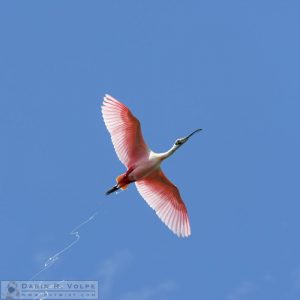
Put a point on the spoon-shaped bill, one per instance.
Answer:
(193, 133)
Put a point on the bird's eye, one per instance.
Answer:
(178, 142)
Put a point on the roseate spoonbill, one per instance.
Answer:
(143, 166)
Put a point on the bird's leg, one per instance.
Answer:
(113, 189)
(122, 182)
(129, 171)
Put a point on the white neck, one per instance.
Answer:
(169, 152)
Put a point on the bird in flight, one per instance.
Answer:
(143, 166)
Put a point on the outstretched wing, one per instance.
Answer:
(164, 197)
(125, 131)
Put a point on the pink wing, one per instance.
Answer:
(125, 131)
(164, 197)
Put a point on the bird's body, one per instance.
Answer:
(143, 166)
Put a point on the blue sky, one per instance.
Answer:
(229, 67)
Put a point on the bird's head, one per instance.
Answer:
(179, 142)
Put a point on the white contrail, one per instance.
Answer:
(74, 232)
